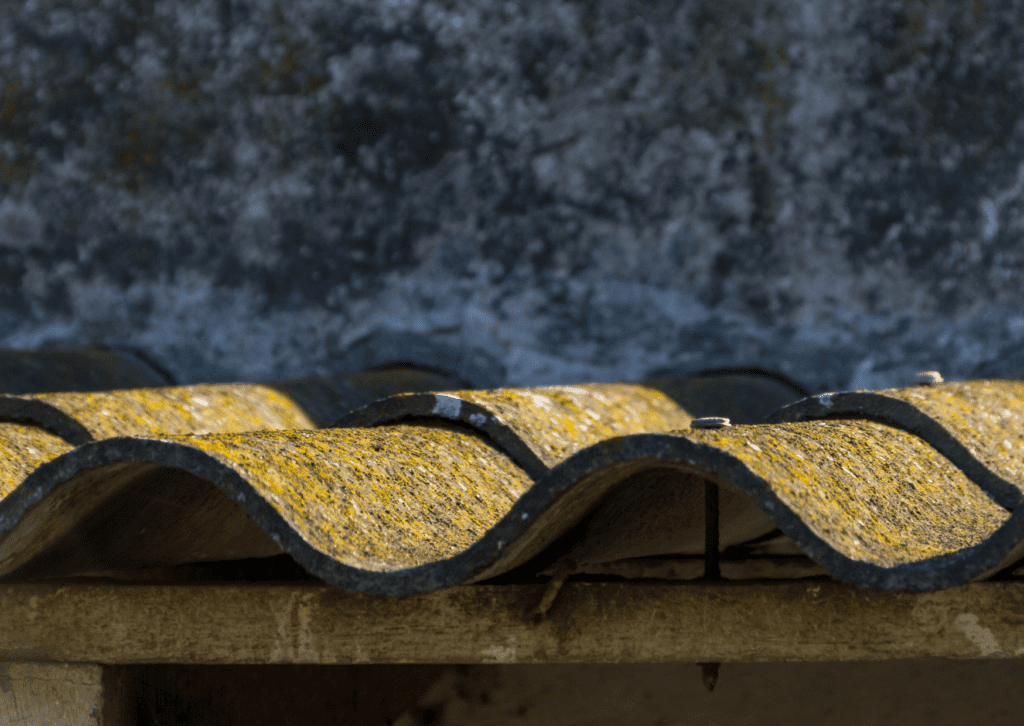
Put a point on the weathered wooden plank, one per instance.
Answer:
(588, 622)
(70, 694)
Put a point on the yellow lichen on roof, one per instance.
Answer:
(872, 492)
(22, 449)
(558, 421)
(200, 408)
(987, 417)
(380, 499)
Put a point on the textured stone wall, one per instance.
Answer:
(581, 190)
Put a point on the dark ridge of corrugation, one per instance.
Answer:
(87, 369)
(405, 508)
(795, 388)
(140, 356)
(978, 425)
(383, 349)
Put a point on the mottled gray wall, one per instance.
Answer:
(585, 190)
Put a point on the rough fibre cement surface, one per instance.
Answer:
(584, 190)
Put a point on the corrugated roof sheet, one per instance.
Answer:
(391, 481)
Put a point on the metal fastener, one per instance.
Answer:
(709, 422)
(709, 675)
(927, 378)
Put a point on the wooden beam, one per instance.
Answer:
(71, 694)
(588, 622)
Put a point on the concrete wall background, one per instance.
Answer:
(583, 190)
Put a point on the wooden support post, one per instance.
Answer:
(70, 694)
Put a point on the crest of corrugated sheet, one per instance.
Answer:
(397, 481)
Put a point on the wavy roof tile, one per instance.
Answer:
(391, 482)
(976, 424)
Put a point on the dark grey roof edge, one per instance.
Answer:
(730, 370)
(908, 417)
(39, 413)
(569, 477)
(142, 358)
(471, 367)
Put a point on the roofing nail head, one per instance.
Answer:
(710, 422)
(927, 378)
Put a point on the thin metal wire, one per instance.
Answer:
(712, 570)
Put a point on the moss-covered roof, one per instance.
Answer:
(388, 481)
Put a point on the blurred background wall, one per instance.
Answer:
(582, 190)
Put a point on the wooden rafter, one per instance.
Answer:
(112, 623)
